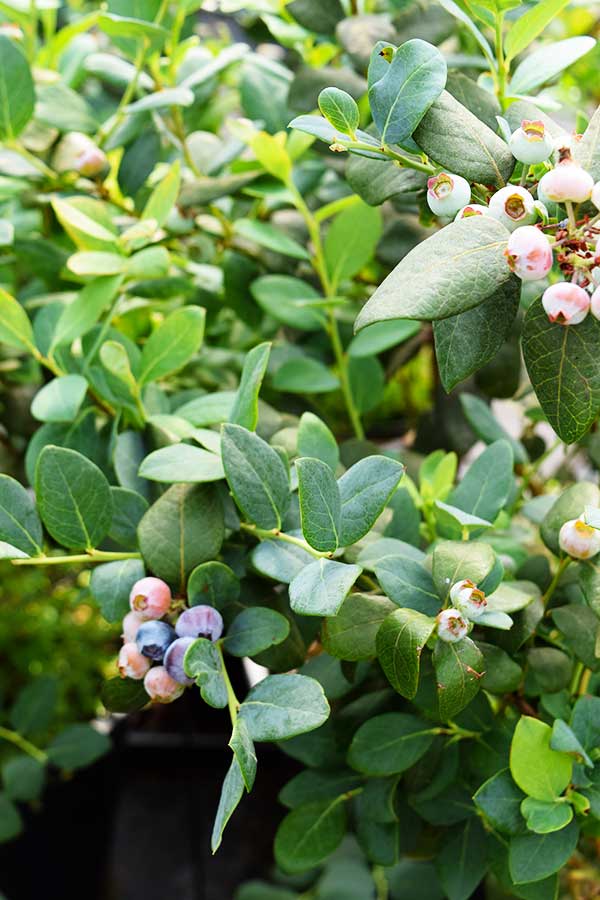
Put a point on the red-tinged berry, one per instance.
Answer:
(567, 181)
(529, 253)
(513, 206)
(160, 687)
(451, 626)
(131, 663)
(150, 597)
(131, 626)
(566, 303)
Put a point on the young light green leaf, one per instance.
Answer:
(340, 109)
(351, 241)
(173, 343)
(321, 588)
(17, 94)
(544, 64)
(545, 816)
(400, 641)
(164, 196)
(540, 771)
(365, 490)
(320, 504)
(528, 26)
(245, 407)
(15, 327)
(256, 476)
(82, 314)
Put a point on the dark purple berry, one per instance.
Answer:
(153, 638)
(200, 621)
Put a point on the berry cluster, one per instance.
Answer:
(148, 638)
(469, 605)
(534, 241)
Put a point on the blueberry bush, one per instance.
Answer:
(266, 275)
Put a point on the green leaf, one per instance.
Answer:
(499, 799)
(415, 78)
(115, 359)
(245, 407)
(20, 525)
(288, 300)
(316, 784)
(123, 695)
(351, 241)
(408, 583)
(564, 369)
(282, 706)
(309, 834)
(255, 629)
(528, 26)
(231, 794)
(171, 541)
(389, 744)
(270, 237)
(256, 476)
(77, 746)
(17, 95)
(111, 585)
(565, 740)
(544, 816)
(182, 463)
(455, 560)
(550, 60)
(453, 522)
(173, 344)
(304, 375)
(579, 625)
(162, 99)
(321, 588)
(533, 857)
(462, 862)
(454, 270)
(458, 669)
(462, 144)
(11, 823)
(213, 583)
(164, 196)
(314, 16)
(23, 778)
(280, 561)
(202, 661)
(35, 706)
(381, 336)
(541, 772)
(96, 263)
(502, 675)
(340, 109)
(15, 327)
(320, 504)
(60, 399)
(243, 749)
(351, 634)
(463, 17)
(128, 509)
(585, 721)
(400, 641)
(316, 440)
(365, 490)
(82, 314)
(482, 421)
(487, 483)
(466, 342)
(73, 497)
(569, 505)
(86, 222)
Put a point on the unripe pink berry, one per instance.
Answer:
(566, 303)
(131, 625)
(578, 539)
(160, 687)
(567, 181)
(451, 626)
(468, 599)
(472, 209)
(531, 143)
(596, 195)
(131, 663)
(513, 205)
(595, 304)
(150, 597)
(447, 193)
(529, 253)
(76, 152)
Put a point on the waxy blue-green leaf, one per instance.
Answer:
(20, 524)
(287, 300)
(110, 586)
(389, 744)
(245, 407)
(202, 662)
(213, 583)
(256, 476)
(182, 463)
(82, 314)
(60, 399)
(415, 78)
(243, 749)
(533, 857)
(128, 509)
(400, 641)
(450, 272)
(499, 799)
(455, 560)
(458, 670)
(351, 241)
(408, 583)
(365, 490)
(266, 235)
(321, 588)
(77, 746)
(74, 499)
(352, 633)
(564, 368)
(316, 440)
(173, 343)
(305, 375)
(381, 336)
(320, 504)
(481, 419)
(255, 629)
(279, 560)
(282, 706)
(544, 64)
(565, 740)
(309, 834)
(487, 482)
(231, 794)
(17, 95)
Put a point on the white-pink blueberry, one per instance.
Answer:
(131, 663)
(529, 253)
(567, 181)
(161, 687)
(514, 206)
(596, 195)
(451, 626)
(447, 193)
(468, 599)
(531, 143)
(566, 303)
(131, 626)
(595, 303)
(150, 597)
(578, 539)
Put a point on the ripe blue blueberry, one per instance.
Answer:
(200, 621)
(153, 639)
(173, 661)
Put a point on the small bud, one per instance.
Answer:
(160, 687)
(472, 209)
(200, 621)
(131, 663)
(76, 152)
(566, 303)
(131, 626)
(578, 539)
(12, 30)
(596, 195)
(150, 597)
(447, 193)
(529, 253)
(513, 206)
(530, 143)
(154, 638)
(173, 661)
(451, 627)
(567, 181)
(468, 599)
